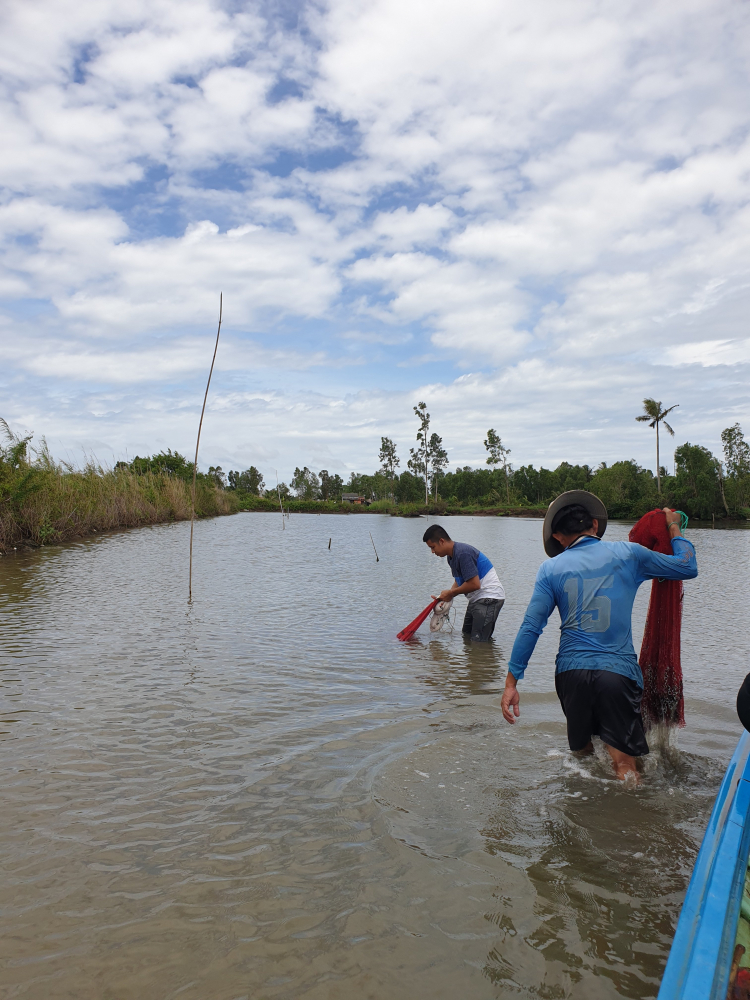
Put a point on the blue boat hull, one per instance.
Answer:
(701, 956)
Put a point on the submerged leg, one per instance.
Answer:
(484, 615)
(624, 764)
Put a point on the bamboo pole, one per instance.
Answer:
(197, 445)
(281, 505)
(377, 558)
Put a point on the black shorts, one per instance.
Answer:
(605, 704)
(480, 618)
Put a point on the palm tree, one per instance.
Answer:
(654, 415)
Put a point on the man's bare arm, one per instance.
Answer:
(466, 588)
(673, 522)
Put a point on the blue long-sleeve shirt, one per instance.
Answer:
(593, 583)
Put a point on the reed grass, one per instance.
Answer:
(43, 501)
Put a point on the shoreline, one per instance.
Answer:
(440, 508)
(26, 545)
(30, 544)
(65, 507)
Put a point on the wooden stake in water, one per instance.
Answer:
(373, 545)
(197, 445)
(329, 543)
(281, 505)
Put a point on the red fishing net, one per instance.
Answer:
(739, 989)
(660, 652)
(411, 628)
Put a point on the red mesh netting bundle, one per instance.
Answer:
(660, 652)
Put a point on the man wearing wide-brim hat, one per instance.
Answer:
(593, 584)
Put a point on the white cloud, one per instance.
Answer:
(403, 230)
(516, 190)
(154, 361)
(84, 263)
(545, 410)
(711, 352)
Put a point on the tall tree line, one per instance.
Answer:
(701, 484)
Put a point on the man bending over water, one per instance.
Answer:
(593, 585)
(475, 576)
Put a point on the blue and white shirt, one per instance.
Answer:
(593, 585)
(468, 562)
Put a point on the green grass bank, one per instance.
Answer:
(42, 506)
(43, 501)
(439, 508)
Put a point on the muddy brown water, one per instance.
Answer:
(265, 795)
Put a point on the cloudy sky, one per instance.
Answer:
(530, 215)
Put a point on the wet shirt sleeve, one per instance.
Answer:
(541, 606)
(681, 565)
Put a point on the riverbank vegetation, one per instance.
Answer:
(704, 486)
(43, 501)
